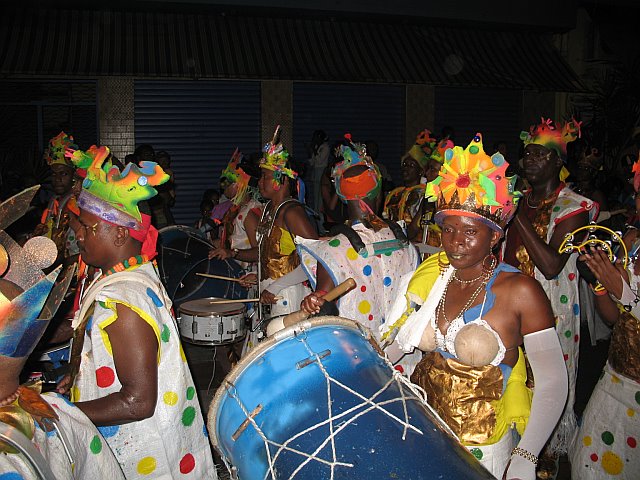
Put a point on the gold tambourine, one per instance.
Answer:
(568, 245)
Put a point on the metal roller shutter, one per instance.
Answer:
(494, 113)
(368, 112)
(199, 123)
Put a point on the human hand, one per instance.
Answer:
(519, 468)
(609, 275)
(248, 280)
(267, 297)
(312, 303)
(64, 385)
(41, 229)
(220, 253)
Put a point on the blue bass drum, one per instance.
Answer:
(317, 401)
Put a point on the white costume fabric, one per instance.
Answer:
(89, 451)
(377, 277)
(173, 443)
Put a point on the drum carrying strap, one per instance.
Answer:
(87, 307)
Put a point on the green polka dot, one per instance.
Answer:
(188, 416)
(473, 149)
(102, 304)
(638, 397)
(388, 254)
(563, 299)
(607, 438)
(476, 452)
(165, 334)
(190, 393)
(96, 445)
(334, 243)
(567, 334)
(556, 209)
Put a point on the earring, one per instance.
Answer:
(493, 263)
(442, 265)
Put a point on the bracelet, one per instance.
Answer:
(320, 293)
(525, 454)
(598, 292)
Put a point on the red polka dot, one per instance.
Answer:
(594, 457)
(399, 368)
(239, 217)
(187, 464)
(566, 357)
(363, 288)
(370, 317)
(572, 276)
(631, 442)
(105, 377)
(576, 338)
(55, 405)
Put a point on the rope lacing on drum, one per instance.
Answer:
(372, 405)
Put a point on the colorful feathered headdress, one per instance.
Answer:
(547, 135)
(636, 174)
(55, 152)
(424, 148)
(365, 185)
(473, 184)
(275, 158)
(235, 174)
(443, 145)
(113, 195)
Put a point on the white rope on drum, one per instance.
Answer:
(333, 432)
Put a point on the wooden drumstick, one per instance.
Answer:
(346, 286)
(239, 300)
(219, 277)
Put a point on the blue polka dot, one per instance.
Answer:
(576, 309)
(49, 434)
(89, 323)
(367, 270)
(284, 302)
(11, 476)
(62, 397)
(109, 431)
(386, 281)
(204, 430)
(154, 298)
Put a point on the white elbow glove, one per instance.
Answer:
(292, 278)
(549, 397)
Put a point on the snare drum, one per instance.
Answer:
(205, 323)
(316, 400)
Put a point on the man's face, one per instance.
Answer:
(411, 171)
(432, 170)
(61, 178)
(267, 184)
(95, 237)
(540, 163)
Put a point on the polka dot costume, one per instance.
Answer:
(563, 295)
(377, 276)
(170, 444)
(606, 446)
(93, 458)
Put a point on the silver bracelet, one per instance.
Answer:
(525, 454)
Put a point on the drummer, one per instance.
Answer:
(283, 284)
(475, 313)
(330, 261)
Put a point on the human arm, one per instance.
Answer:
(297, 223)
(329, 195)
(294, 277)
(545, 255)
(314, 301)
(135, 355)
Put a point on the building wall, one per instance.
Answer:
(419, 112)
(116, 114)
(277, 109)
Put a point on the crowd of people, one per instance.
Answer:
(488, 322)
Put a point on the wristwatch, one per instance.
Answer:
(235, 252)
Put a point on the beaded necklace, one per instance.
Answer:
(126, 264)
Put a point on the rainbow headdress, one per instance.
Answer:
(55, 152)
(443, 145)
(424, 148)
(547, 135)
(275, 158)
(365, 185)
(473, 184)
(25, 314)
(113, 195)
(235, 174)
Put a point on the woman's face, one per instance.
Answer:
(467, 241)
(267, 184)
(410, 170)
(231, 190)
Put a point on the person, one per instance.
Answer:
(605, 446)
(283, 218)
(128, 371)
(331, 261)
(550, 210)
(474, 314)
(403, 203)
(55, 221)
(166, 198)
(46, 421)
(320, 157)
(333, 209)
(205, 225)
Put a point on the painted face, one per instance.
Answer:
(231, 190)
(267, 185)
(539, 163)
(411, 171)
(94, 236)
(61, 178)
(466, 240)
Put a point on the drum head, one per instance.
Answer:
(203, 307)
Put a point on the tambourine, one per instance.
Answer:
(567, 245)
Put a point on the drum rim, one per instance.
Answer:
(258, 351)
(241, 309)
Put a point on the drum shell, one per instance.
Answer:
(217, 324)
(291, 399)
